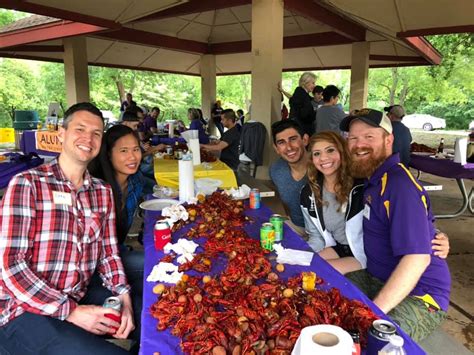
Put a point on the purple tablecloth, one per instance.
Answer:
(11, 168)
(28, 144)
(442, 167)
(168, 141)
(165, 343)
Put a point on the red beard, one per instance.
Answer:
(365, 168)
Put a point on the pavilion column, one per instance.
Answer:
(208, 87)
(359, 75)
(76, 70)
(267, 64)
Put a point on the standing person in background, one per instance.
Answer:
(216, 113)
(301, 108)
(57, 227)
(329, 115)
(401, 133)
(229, 143)
(240, 117)
(317, 97)
(128, 103)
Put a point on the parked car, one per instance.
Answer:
(423, 121)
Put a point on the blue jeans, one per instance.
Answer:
(33, 334)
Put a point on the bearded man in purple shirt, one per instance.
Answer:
(402, 277)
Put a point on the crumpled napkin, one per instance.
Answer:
(165, 272)
(184, 248)
(240, 193)
(174, 214)
(292, 256)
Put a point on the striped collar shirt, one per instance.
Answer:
(52, 238)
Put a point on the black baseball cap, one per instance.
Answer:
(372, 117)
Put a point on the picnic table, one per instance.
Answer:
(164, 342)
(167, 173)
(447, 168)
(14, 165)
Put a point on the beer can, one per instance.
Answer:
(162, 234)
(254, 199)
(355, 335)
(113, 303)
(379, 335)
(277, 222)
(267, 236)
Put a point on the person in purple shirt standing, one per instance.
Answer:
(402, 277)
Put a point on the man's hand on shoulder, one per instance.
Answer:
(440, 245)
(92, 318)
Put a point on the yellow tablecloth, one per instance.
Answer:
(166, 173)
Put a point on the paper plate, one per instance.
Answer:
(157, 205)
(423, 154)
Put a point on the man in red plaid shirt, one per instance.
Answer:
(57, 228)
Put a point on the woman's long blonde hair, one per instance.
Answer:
(344, 181)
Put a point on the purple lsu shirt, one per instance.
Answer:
(398, 221)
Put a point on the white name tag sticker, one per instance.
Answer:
(367, 211)
(62, 198)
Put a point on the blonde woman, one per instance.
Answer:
(301, 108)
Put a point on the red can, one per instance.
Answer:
(162, 234)
(113, 303)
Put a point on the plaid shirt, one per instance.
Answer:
(52, 238)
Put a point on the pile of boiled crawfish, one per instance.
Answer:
(247, 308)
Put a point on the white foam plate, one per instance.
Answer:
(157, 205)
(423, 154)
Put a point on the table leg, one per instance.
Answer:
(471, 198)
(465, 203)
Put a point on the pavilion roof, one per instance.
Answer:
(172, 35)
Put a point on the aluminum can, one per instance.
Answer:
(162, 234)
(254, 199)
(113, 303)
(356, 350)
(277, 222)
(178, 154)
(379, 335)
(169, 150)
(267, 236)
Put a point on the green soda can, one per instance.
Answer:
(267, 236)
(277, 222)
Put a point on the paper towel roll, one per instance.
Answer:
(323, 339)
(194, 147)
(460, 150)
(186, 180)
(171, 129)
